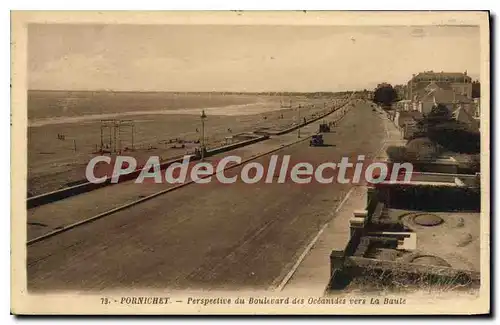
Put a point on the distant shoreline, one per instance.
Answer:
(229, 110)
(57, 107)
(268, 93)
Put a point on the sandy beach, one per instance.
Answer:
(55, 163)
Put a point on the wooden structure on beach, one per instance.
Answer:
(115, 133)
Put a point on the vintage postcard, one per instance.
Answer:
(239, 162)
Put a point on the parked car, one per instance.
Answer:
(316, 140)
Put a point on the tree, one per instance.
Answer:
(440, 127)
(385, 94)
(439, 113)
(456, 137)
(400, 91)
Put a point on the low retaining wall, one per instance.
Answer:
(448, 167)
(338, 277)
(236, 145)
(429, 197)
(293, 128)
(87, 186)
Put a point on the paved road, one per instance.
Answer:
(206, 236)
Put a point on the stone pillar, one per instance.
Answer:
(358, 220)
(336, 260)
(370, 194)
(336, 267)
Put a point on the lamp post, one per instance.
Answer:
(203, 117)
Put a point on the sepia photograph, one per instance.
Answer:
(235, 162)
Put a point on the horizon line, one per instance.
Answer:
(200, 91)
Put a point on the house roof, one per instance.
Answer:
(432, 74)
(408, 116)
(425, 90)
(444, 96)
(420, 93)
(439, 84)
(450, 96)
(442, 92)
(461, 115)
(463, 99)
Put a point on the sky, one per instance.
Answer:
(242, 58)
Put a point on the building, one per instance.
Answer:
(477, 108)
(404, 105)
(461, 83)
(406, 122)
(464, 117)
(425, 98)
